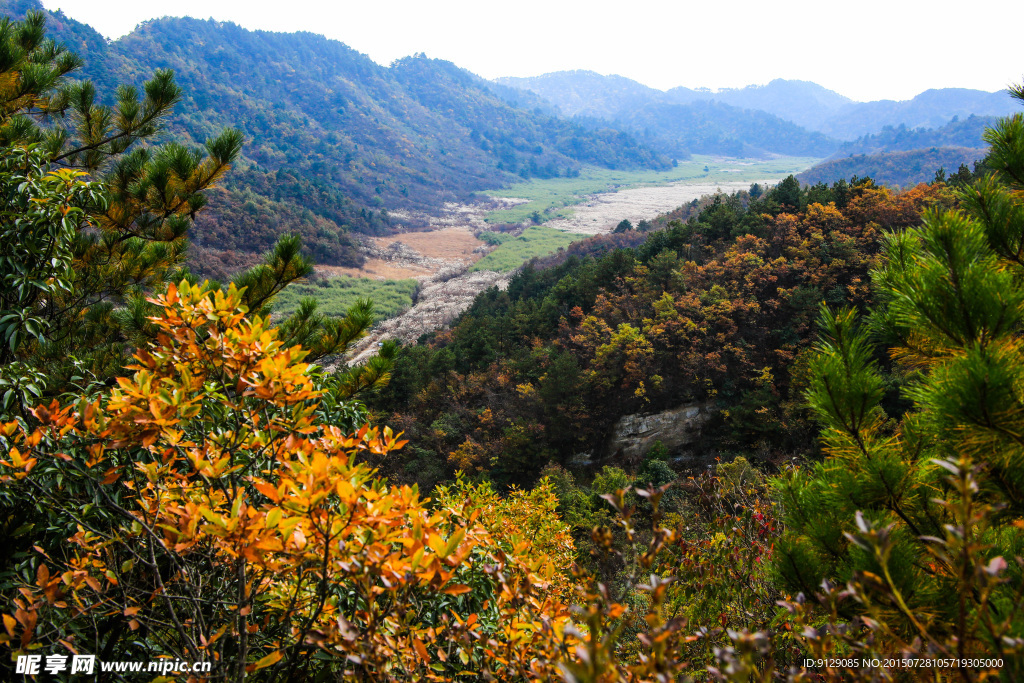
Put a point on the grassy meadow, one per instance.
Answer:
(548, 199)
(335, 295)
(536, 240)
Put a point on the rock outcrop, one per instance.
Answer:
(634, 434)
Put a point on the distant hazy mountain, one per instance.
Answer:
(682, 121)
(334, 141)
(717, 128)
(930, 109)
(816, 108)
(588, 94)
(802, 102)
(806, 104)
(520, 98)
(901, 156)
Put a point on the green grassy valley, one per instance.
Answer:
(535, 241)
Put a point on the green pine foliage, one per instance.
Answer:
(920, 513)
(95, 220)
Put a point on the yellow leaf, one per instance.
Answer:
(211, 516)
(417, 557)
(237, 505)
(454, 541)
(436, 544)
(269, 660)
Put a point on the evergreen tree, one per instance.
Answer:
(921, 516)
(787, 192)
(130, 234)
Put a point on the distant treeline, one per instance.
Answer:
(896, 169)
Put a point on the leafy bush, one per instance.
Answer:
(207, 474)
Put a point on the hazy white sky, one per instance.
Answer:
(864, 49)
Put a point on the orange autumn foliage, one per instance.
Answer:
(238, 528)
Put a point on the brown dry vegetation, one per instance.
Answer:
(378, 269)
(456, 242)
(414, 254)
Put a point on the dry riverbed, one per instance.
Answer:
(602, 212)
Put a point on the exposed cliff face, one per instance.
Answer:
(634, 434)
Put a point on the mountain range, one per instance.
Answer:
(808, 105)
(337, 144)
(897, 143)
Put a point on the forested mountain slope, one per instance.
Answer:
(719, 310)
(896, 169)
(334, 141)
(903, 157)
(967, 132)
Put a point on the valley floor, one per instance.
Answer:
(602, 212)
(439, 258)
